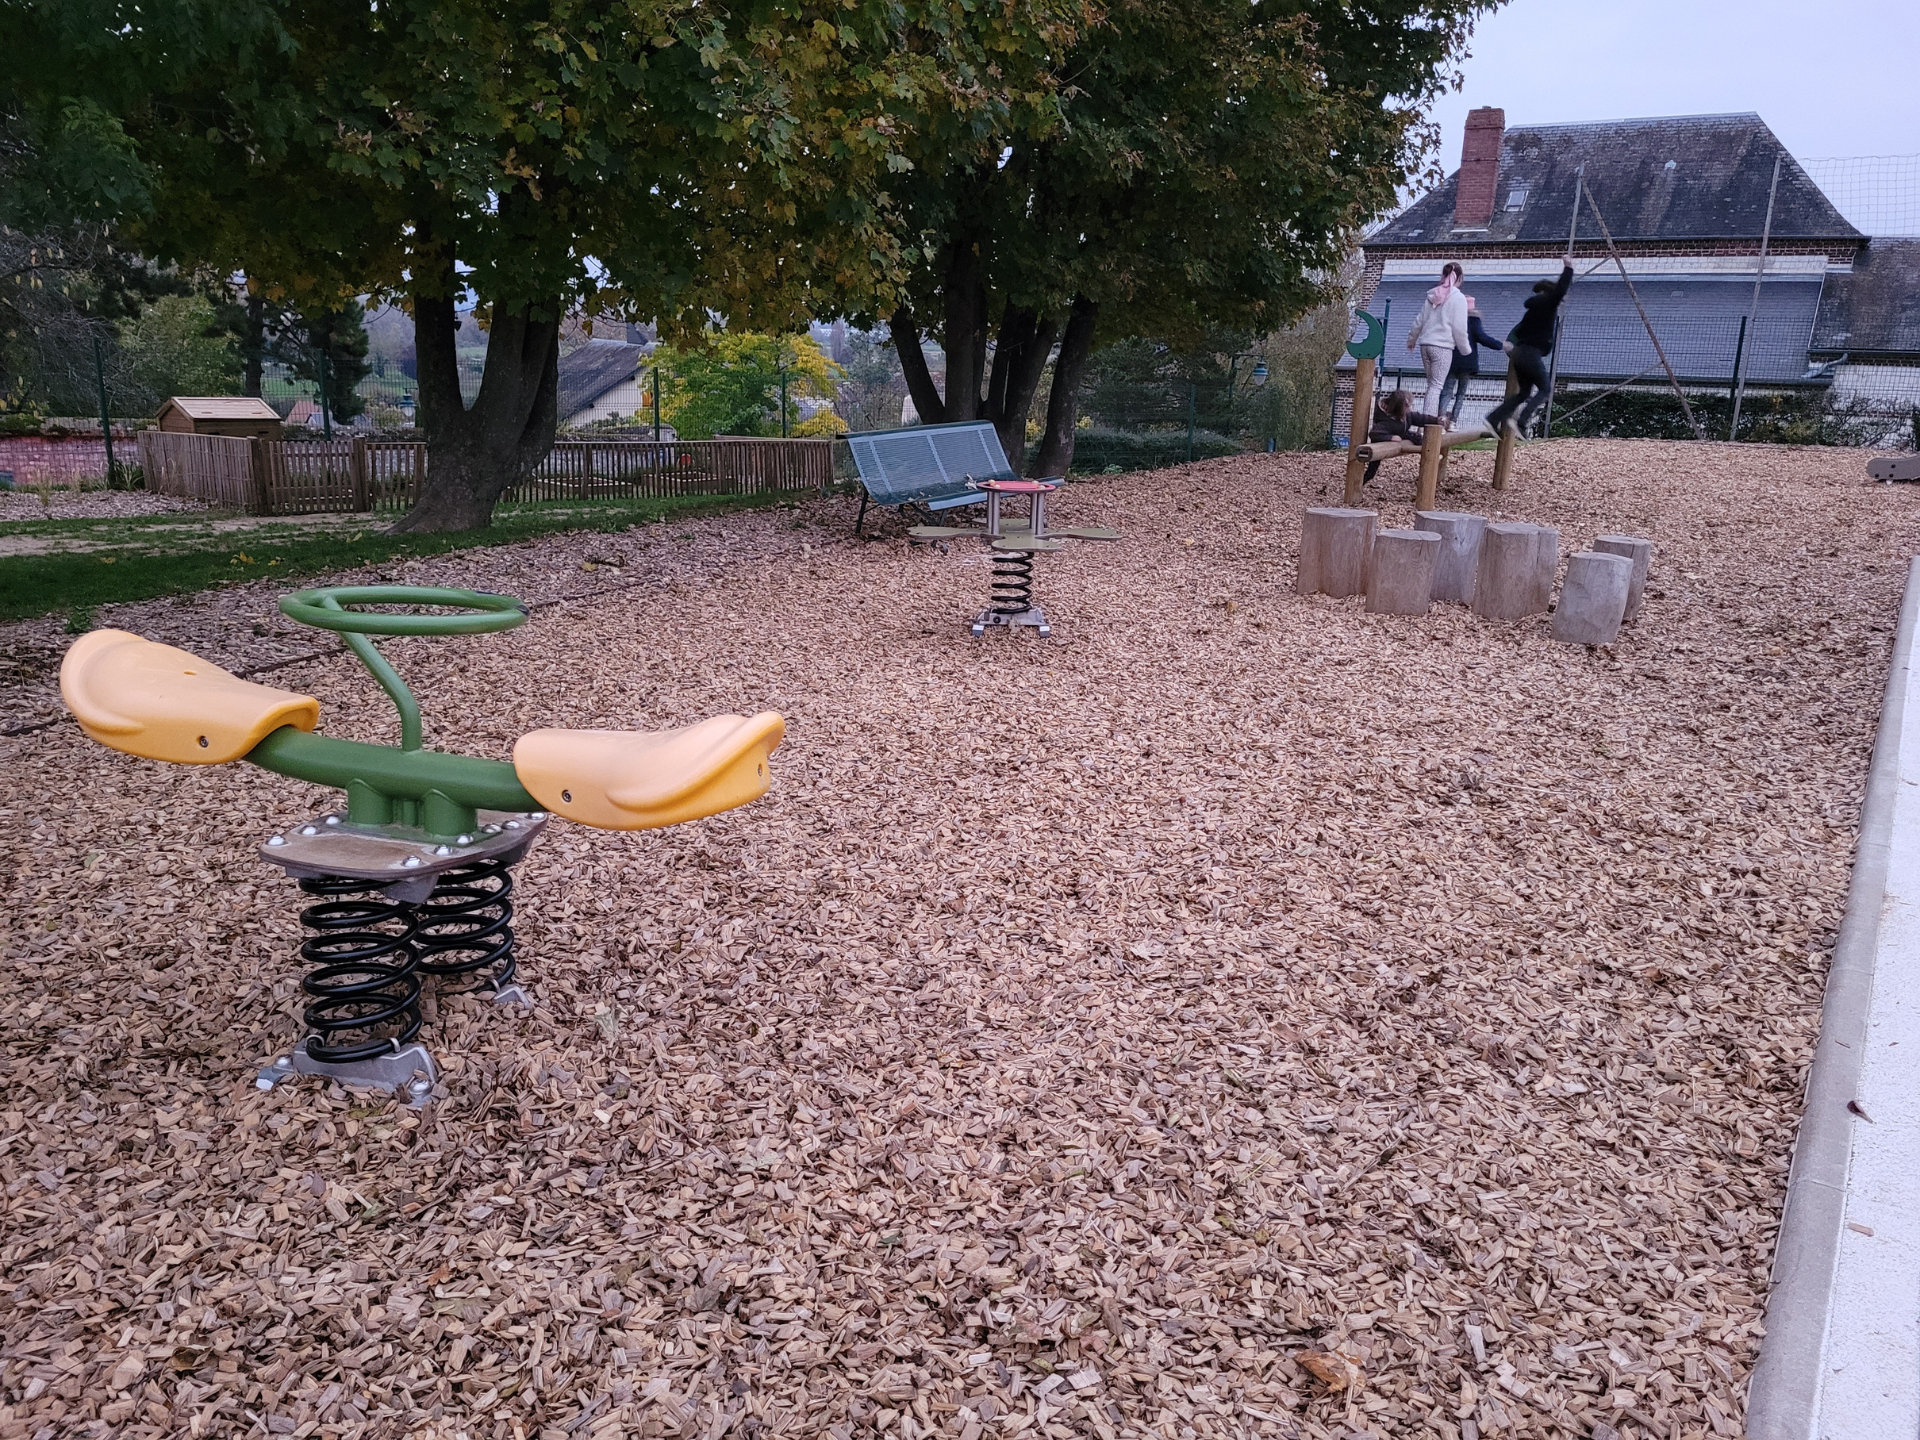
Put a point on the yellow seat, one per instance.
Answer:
(161, 703)
(639, 780)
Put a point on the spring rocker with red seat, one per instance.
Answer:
(411, 878)
(941, 467)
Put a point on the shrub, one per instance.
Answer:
(820, 424)
(1099, 448)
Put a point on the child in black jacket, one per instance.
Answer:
(1394, 418)
(1466, 367)
(1528, 345)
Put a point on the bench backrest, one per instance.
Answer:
(928, 462)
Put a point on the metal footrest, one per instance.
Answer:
(1033, 615)
(408, 1071)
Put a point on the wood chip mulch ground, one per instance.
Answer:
(1240, 1016)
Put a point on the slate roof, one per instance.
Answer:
(1876, 309)
(1679, 178)
(1602, 337)
(595, 368)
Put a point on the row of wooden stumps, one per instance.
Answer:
(1433, 453)
(1501, 570)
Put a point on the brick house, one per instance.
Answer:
(1686, 201)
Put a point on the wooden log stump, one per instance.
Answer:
(1594, 598)
(1459, 558)
(1334, 545)
(1641, 553)
(1506, 585)
(1400, 572)
(1546, 564)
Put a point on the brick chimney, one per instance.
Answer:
(1479, 168)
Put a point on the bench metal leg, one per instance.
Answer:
(861, 518)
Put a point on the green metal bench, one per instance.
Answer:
(933, 467)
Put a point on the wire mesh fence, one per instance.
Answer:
(1612, 379)
(1879, 194)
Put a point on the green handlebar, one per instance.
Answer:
(378, 779)
(327, 609)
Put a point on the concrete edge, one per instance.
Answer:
(1784, 1392)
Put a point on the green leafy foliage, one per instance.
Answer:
(177, 346)
(655, 158)
(728, 383)
(1212, 162)
(1100, 448)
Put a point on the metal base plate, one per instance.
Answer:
(1033, 615)
(409, 1071)
(401, 859)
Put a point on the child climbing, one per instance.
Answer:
(1466, 367)
(1528, 345)
(1395, 419)
(1440, 332)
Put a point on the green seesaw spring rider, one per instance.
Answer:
(412, 877)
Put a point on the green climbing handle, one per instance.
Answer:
(329, 609)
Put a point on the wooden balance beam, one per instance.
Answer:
(1393, 449)
(1433, 455)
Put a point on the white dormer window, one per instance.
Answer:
(1517, 197)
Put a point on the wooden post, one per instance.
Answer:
(357, 467)
(1503, 450)
(1361, 424)
(1429, 468)
(261, 500)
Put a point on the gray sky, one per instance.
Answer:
(1834, 77)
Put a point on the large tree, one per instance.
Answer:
(647, 158)
(1211, 162)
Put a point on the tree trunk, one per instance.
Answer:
(474, 456)
(1019, 359)
(913, 364)
(253, 347)
(1063, 400)
(965, 340)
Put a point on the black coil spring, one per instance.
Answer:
(464, 930)
(1012, 582)
(365, 984)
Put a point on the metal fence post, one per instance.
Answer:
(1190, 401)
(1553, 374)
(106, 418)
(1733, 394)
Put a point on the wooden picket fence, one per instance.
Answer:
(309, 477)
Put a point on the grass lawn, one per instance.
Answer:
(144, 557)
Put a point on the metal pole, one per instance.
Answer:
(1739, 352)
(1190, 390)
(106, 419)
(783, 402)
(1579, 184)
(1634, 295)
(1553, 375)
(656, 404)
(1759, 273)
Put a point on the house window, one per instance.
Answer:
(1517, 197)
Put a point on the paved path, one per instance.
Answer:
(153, 537)
(1841, 1359)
